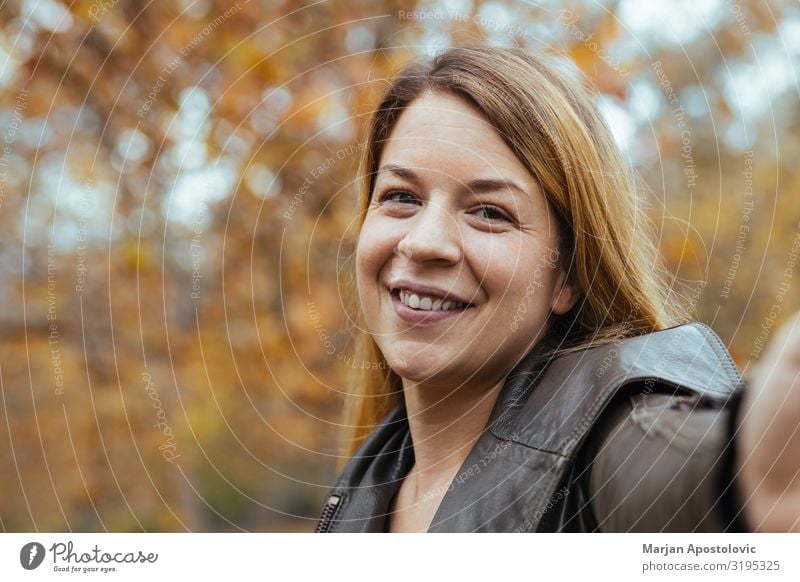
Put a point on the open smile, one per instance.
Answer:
(425, 314)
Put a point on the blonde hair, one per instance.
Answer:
(551, 123)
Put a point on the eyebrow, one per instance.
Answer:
(478, 186)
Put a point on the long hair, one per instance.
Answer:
(551, 123)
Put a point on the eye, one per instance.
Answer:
(399, 196)
(492, 213)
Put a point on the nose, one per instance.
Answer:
(433, 235)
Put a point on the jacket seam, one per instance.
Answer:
(614, 385)
(715, 343)
(501, 437)
(601, 401)
(587, 420)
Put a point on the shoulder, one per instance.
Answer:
(576, 389)
(657, 462)
(683, 424)
(691, 356)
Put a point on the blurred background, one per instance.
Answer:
(176, 196)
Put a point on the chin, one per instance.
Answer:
(419, 369)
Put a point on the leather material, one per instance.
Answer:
(529, 470)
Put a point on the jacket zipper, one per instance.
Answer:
(328, 513)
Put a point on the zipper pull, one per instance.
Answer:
(328, 513)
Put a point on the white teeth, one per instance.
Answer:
(428, 303)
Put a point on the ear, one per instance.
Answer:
(565, 293)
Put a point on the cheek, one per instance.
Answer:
(364, 270)
(502, 265)
(373, 252)
(522, 282)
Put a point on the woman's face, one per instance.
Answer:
(457, 261)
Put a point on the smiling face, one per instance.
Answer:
(457, 259)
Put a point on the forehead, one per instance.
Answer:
(447, 133)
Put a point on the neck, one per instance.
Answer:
(444, 427)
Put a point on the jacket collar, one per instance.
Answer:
(374, 474)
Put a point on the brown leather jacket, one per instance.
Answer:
(632, 436)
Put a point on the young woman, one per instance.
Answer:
(531, 371)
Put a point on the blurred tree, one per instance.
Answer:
(176, 196)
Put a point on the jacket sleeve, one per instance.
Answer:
(665, 463)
